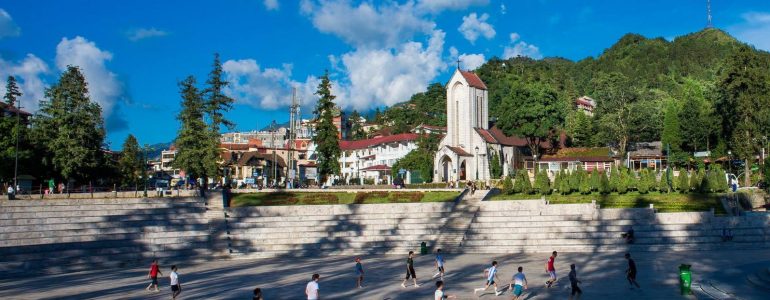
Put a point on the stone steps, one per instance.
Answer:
(760, 279)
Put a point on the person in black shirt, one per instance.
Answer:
(410, 270)
(631, 272)
(574, 283)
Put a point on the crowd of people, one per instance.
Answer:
(517, 285)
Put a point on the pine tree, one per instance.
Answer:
(672, 134)
(703, 181)
(604, 184)
(595, 179)
(216, 105)
(130, 163)
(557, 179)
(695, 180)
(508, 185)
(542, 183)
(585, 183)
(13, 132)
(326, 138)
(662, 183)
(495, 169)
(643, 184)
(356, 129)
(193, 138)
(71, 128)
(564, 187)
(614, 179)
(683, 184)
(624, 181)
(575, 178)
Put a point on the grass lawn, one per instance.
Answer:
(663, 202)
(320, 198)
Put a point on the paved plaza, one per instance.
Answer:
(285, 278)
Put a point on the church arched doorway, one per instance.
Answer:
(446, 168)
(461, 173)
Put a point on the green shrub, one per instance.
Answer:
(703, 181)
(722, 181)
(557, 179)
(575, 178)
(585, 183)
(643, 185)
(683, 185)
(508, 185)
(663, 183)
(564, 187)
(604, 184)
(614, 179)
(624, 181)
(695, 181)
(522, 184)
(542, 183)
(595, 180)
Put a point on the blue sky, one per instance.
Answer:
(378, 52)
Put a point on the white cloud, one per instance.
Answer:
(755, 29)
(474, 26)
(143, 33)
(103, 85)
(521, 48)
(7, 27)
(389, 76)
(29, 73)
(471, 61)
(267, 88)
(436, 6)
(271, 4)
(367, 25)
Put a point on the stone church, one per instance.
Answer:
(464, 152)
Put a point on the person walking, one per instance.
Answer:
(551, 270)
(439, 294)
(631, 272)
(573, 281)
(410, 270)
(359, 273)
(153, 275)
(491, 275)
(312, 289)
(176, 285)
(257, 294)
(11, 192)
(439, 261)
(519, 284)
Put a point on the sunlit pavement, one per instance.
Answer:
(602, 276)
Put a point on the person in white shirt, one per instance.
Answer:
(11, 192)
(519, 284)
(491, 275)
(176, 286)
(311, 290)
(439, 294)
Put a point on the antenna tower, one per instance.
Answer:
(708, 11)
(293, 126)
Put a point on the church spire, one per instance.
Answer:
(458, 64)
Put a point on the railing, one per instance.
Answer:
(101, 192)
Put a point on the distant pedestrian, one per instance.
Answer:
(410, 270)
(439, 294)
(631, 272)
(439, 265)
(257, 294)
(359, 273)
(312, 288)
(573, 281)
(519, 284)
(176, 285)
(491, 275)
(11, 193)
(153, 275)
(551, 270)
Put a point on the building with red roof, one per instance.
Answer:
(373, 158)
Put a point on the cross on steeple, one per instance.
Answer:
(458, 63)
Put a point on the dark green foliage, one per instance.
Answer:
(71, 129)
(564, 184)
(11, 132)
(683, 183)
(557, 179)
(604, 184)
(356, 128)
(495, 168)
(326, 138)
(216, 102)
(695, 179)
(643, 183)
(672, 132)
(130, 164)
(522, 183)
(615, 179)
(595, 179)
(765, 173)
(579, 128)
(532, 111)
(585, 183)
(699, 122)
(624, 181)
(508, 185)
(427, 108)
(542, 183)
(662, 183)
(193, 141)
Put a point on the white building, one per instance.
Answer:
(373, 158)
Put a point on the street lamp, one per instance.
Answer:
(144, 168)
(275, 169)
(477, 162)
(729, 161)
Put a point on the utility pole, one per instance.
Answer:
(293, 119)
(16, 153)
(275, 166)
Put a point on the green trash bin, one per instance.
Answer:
(423, 248)
(685, 279)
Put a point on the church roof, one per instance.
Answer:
(473, 80)
(496, 136)
(459, 151)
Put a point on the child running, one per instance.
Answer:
(359, 273)
(439, 294)
(153, 274)
(551, 270)
(410, 270)
(519, 284)
(312, 289)
(176, 286)
(631, 272)
(491, 275)
(439, 265)
(574, 283)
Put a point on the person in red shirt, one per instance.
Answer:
(551, 270)
(153, 274)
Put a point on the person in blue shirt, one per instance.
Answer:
(359, 273)
(439, 265)
(491, 275)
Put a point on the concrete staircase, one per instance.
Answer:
(69, 235)
(459, 220)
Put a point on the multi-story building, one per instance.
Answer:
(373, 158)
(586, 105)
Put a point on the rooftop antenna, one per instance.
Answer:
(708, 11)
